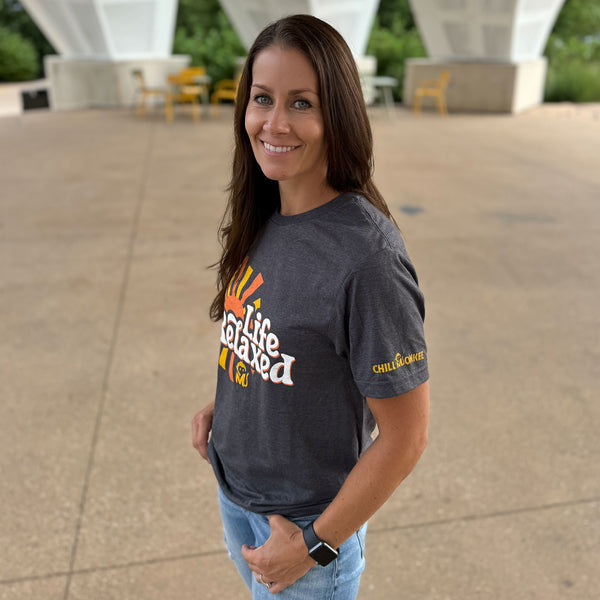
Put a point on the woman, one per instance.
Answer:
(322, 326)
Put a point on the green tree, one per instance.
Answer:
(198, 16)
(14, 18)
(18, 58)
(396, 13)
(394, 38)
(573, 52)
(578, 18)
(204, 32)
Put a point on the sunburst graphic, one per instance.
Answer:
(241, 287)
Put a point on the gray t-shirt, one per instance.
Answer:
(324, 312)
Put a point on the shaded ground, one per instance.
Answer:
(107, 223)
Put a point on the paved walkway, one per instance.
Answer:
(107, 224)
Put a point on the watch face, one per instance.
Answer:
(323, 554)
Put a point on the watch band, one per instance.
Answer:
(310, 537)
(318, 550)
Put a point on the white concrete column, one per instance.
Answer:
(99, 41)
(491, 48)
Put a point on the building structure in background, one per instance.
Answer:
(100, 42)
(491, 48)
(352, 19)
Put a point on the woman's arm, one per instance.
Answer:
(402, 422)
(201, 426)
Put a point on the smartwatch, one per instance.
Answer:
(318, 550)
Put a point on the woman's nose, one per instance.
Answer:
(277, 121)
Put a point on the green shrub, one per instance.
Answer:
(215, 49)
(575, 81)
(586, 49)
(578, 18)
(573, 69)
(16, 19)
(392, 47)
(18, 57)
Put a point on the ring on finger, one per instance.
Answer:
(265, 583)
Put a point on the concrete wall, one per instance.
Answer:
(501, 87)
(79, 84)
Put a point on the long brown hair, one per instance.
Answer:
(252, 197)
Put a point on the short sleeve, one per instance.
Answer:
(383, 313)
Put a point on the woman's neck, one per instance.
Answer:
(296, 200)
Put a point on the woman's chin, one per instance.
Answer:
(274, 174)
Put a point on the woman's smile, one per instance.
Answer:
(272, 149)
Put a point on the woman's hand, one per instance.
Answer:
(201, 427)
(282, 559)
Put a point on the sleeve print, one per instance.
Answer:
(385, 310)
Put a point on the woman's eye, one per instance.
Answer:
(302, 104)
(261, 99)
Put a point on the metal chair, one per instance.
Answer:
(143, 91)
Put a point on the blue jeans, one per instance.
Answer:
(337, 581)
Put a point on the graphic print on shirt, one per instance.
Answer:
(250, 348)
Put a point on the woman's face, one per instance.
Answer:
(284, 120)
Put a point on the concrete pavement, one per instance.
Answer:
(107, 225)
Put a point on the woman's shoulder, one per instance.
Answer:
(363, 228)
(345, 234)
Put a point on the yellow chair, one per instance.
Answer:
(192, 72)
(225, 89)
(143, 91)
(188, 85)
(434, 88)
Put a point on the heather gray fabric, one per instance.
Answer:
(325, 311)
